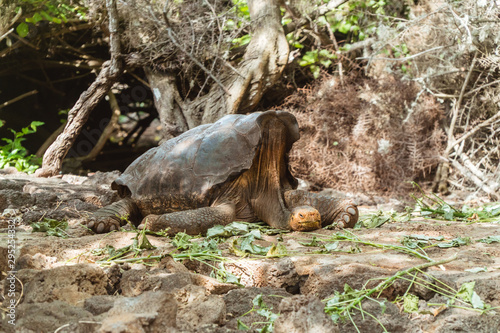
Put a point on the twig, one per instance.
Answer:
(170, 34)
(61, 327)
(322, 10)
(405, 58)
(441, 179)
(478, 182)
(381, 286)
(481, 87)
(18, 15)
(25, 42)
(459, 102)
(141, 80)
(473, 131)
(18, 98)
(6, 34)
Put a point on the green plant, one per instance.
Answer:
(14, 154)
(353, 21)
(316, 58)
(47, 10)
(265, 311)
(343, 305)
(434, 207)
(51, 227)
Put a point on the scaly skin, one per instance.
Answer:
(342, 213)
(192, 222)
(107, 219)
(309, 211)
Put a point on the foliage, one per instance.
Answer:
(14, 154)
(343, 305)
(381, 217)
(51, 227)
(435, 207)
(54, 11)
(315, 58)
(354, 20)
(261, 308)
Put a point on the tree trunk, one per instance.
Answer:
(78, 115)
(263, 62)
(168, 102)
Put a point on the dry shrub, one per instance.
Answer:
(367, 135)
(198, 30)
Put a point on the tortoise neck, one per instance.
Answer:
(269, 175)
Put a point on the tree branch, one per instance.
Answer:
(78, 115)
(322, 10)
(18, 98)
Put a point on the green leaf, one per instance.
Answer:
(231, 278)
(277, 250)
(327, 54)
(410, 303)
(182, 241)
(51, 227)
(248, 246)
(456, 242)
(217, 231)
(35, 124)
(374, 220)
(466, 290)
(312, 242)
(22, 29)
(448, 212)
(490, 239)
(331, 246)
(242, 40)
(315, 71)
(476, 301)
(143, 241)
(242, 326)
(258, 301)
(232, 229)
(476, 270)
(46, 16)
(345, 27)
(236, 250)
(326, 63)
(309, 58)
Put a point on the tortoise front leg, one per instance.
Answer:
(192, 222)
(108, 218)
(337, 211)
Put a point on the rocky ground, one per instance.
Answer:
(81, 283)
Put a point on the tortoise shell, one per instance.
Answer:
(187, 171)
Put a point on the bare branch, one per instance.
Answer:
(78, 115)
(172, 37)
(18, 98)
(473, 131)
(405, 58)
(322, 10)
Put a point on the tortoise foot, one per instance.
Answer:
(153, 223)
(102, 225)
(348, 215)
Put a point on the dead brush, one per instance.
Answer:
(365, 135)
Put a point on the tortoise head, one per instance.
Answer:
(305, 218)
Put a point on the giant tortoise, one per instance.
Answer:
(235, 169)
